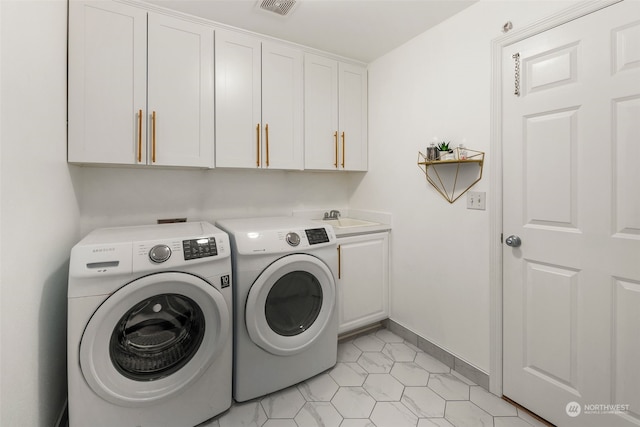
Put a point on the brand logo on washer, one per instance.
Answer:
(96, 250)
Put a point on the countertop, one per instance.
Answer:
(365, 229)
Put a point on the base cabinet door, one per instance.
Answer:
(363, 280)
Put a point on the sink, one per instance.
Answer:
(348, 222)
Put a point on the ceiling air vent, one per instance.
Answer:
(281, 7)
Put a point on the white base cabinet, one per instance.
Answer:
(363, 280)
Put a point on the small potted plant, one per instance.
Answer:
(445, 153)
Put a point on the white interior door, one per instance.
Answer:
(571, 174)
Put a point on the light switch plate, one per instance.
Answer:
(476, 200)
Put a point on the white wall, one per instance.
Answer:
(40, 214)
(133, 196)
(438, 84)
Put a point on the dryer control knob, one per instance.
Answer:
(293, 239)
(159, 253)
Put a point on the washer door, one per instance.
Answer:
(153, 337)
(290, 304)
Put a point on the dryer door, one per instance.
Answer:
(153, 337)
(290, 304)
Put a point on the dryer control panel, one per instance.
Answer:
(274, 235)
(317, 235)
(282, 241)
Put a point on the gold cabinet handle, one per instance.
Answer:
(335, 138)
(139, 136)
(266, 141)
(153, 137)
(258, 145)
(343, 151)
(339, 263)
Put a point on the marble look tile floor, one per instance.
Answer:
(380, 380)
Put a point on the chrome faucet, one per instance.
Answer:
(334, 214)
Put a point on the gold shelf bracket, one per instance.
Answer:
(446, 177)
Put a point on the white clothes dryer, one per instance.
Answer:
(149, 326)
(285, 323)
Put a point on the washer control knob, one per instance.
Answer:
(293, 239)
(159, 253)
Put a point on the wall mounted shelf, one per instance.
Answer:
(448, 177)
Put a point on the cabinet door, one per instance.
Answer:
(180, 92)
(352, 108)
(282, 105)
(321, 150)
(238, 109)
(363, 282)
(107, 82)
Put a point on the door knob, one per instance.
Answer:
(513, 241)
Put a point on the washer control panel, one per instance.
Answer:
(125, 250)
(159, 253)
(199, 248)
(293, 239)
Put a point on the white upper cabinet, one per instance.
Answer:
(107, 82)
(180, 92)
(121, 114)
(238, 109)
(142, 86)
(282, 104)
(321, 113)
(335, 114)
(258, 103)
(352, 113)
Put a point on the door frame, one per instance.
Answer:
(495, 182)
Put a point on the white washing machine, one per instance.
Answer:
(149, 326)
(285, 322)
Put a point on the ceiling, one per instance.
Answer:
(358, 29)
